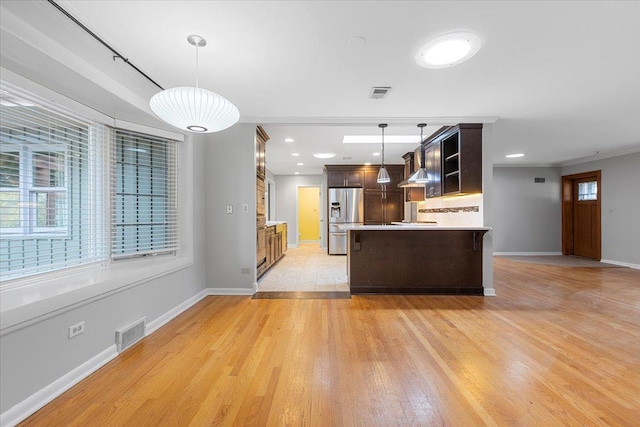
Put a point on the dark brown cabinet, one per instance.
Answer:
(382, 203)
(461, 151)
(432, 159)
(383, 207)
(453, 159)
(261, 152)
(344, 176)
(271, 241)
(261, 237)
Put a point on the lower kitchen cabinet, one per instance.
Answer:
(275, 246)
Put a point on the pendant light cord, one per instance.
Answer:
(382, 147)
(196, 65)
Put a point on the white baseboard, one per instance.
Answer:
(526, 253)
(622, 264)
(30, 405)
(231, 291)
(156, 324)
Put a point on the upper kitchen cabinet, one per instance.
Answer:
(461, 151)
(433, 165)
(339, 176)
(454, 159)
(261, 152)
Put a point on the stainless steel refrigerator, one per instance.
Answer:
(346, 207)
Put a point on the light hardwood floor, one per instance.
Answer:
(556, 347)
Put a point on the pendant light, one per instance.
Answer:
(383, 175)
(192, 108)
(421, 176)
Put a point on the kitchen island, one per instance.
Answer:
(415, 259)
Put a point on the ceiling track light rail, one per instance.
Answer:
(116, 54)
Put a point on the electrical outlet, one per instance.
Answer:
(245, 208)
(229, 209)
(245, 270)
(76, 329)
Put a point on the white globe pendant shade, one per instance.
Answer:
(194, 109)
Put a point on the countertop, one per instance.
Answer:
(272, 223)
(424, 227)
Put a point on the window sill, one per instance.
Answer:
(26, 305)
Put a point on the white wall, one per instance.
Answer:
(230, 178)
(287, 199)
(620, 204)
(527, 216)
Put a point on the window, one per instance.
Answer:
(51, 186)
(145, 205)
(74, 191)
(33, 190)
(588, 190)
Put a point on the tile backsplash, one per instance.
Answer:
(453, 211)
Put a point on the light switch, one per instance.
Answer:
(229, 209)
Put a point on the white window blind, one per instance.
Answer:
(145, 205)
(53, 176)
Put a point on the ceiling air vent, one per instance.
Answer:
(379, 92)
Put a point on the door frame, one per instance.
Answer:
(568, 202)
(319, 187)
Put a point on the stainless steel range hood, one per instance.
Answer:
(417, 165)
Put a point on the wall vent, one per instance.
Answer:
(540, 180)
(379, 92)
(129, 335)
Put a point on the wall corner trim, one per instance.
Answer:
(30, 405)
(490, 292)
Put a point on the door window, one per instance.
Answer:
(587, 191)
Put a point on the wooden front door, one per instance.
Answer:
(581, 232)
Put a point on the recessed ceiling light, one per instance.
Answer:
(296, 173)
(300, 164)
(367, 164)
(295, 154)
(324, 155)
(513, 156)
(376, 154)
(448, 50)
(377, 139)
(288, 140)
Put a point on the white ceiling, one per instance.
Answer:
(559, 80)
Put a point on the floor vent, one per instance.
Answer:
(129, 335)
(379, 92)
